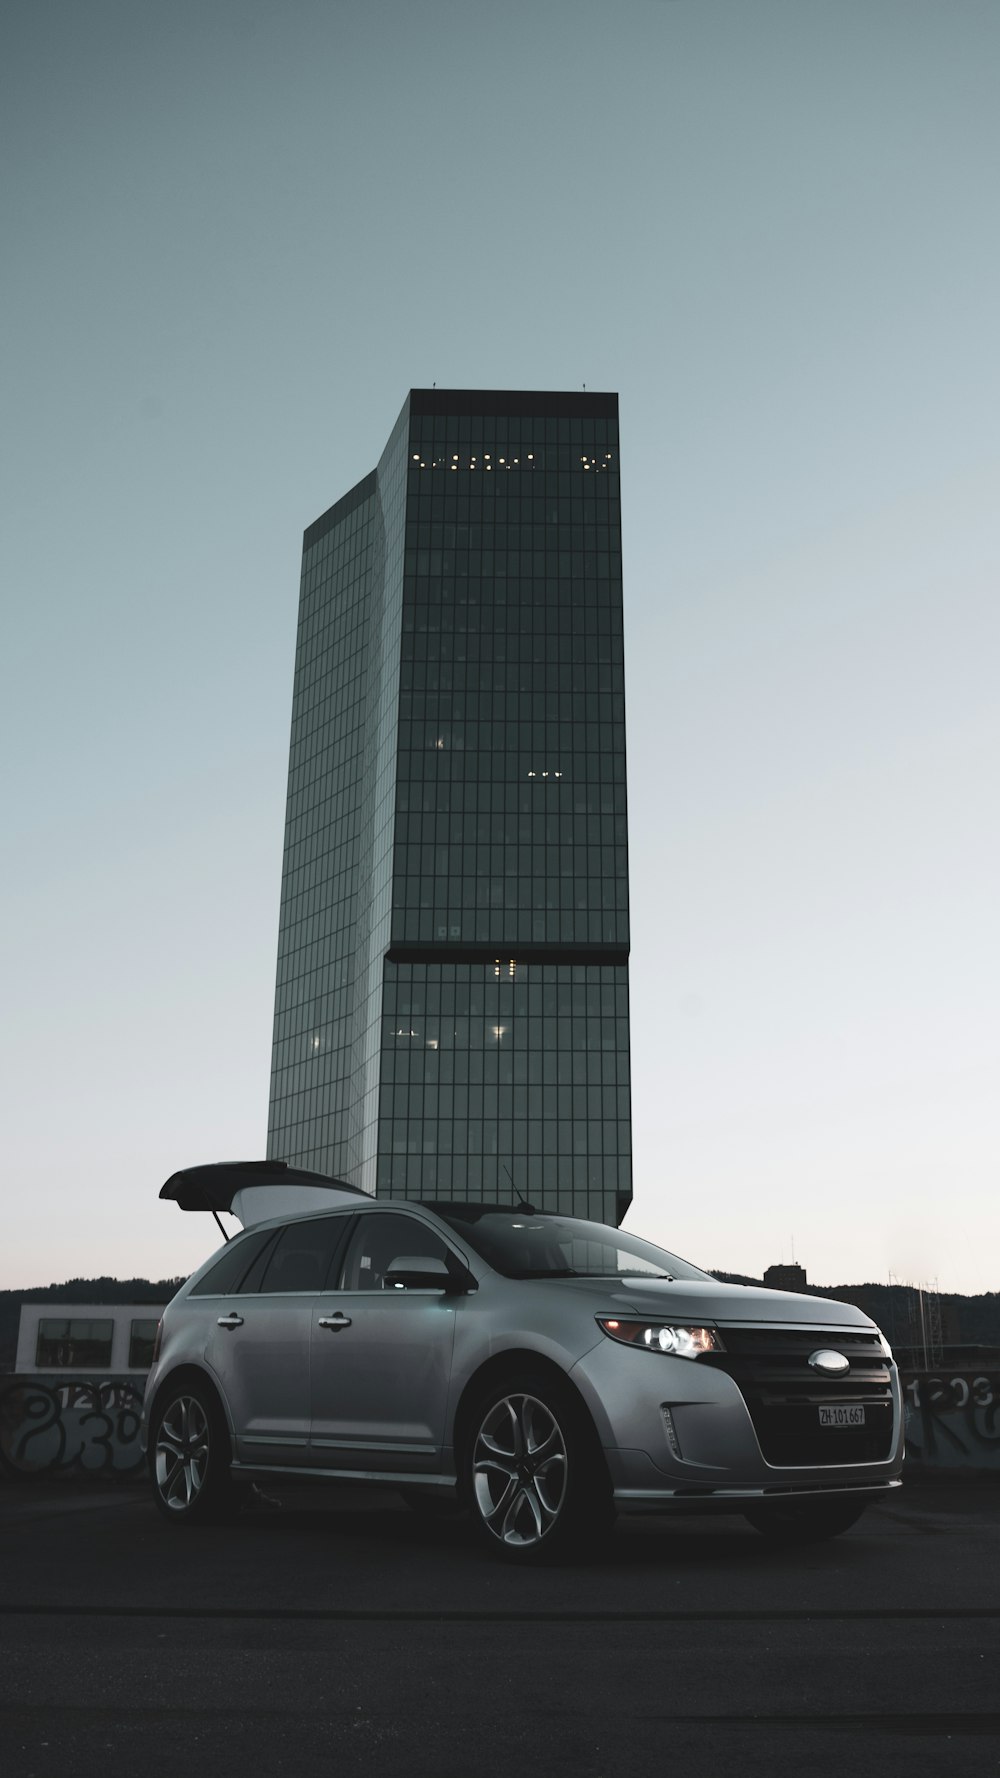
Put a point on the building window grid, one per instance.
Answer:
(485, 1075)
(311, 1032)
(317, 934)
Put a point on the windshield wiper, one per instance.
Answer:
(552, 1272)
(568, 1272)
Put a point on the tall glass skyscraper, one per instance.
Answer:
(451, 1016)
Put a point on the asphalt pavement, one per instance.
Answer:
(339, 1633)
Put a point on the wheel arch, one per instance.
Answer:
(512, 1363)
(188, 1373)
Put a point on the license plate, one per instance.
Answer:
(846, 1416)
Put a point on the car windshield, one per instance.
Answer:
(526, 1244)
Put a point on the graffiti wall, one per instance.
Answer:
(62, 1426)
(952, 1420)
(70, 1426)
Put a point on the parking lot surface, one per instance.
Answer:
(338, 1632)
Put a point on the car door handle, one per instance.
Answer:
(230, 1321)
(335, 1322)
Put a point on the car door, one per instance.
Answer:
(381, 1357)
(259, 1346)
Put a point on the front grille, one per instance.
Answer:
(770, 1367)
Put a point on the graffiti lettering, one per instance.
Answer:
(953, 1421)
(90, 1426)
(76, 1426)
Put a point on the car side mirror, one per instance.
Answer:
(414, 1272)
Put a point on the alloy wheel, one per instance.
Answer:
(519, 1470)
(182, 1453)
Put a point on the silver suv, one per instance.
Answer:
(541, 1370)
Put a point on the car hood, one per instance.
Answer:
(695, 1302)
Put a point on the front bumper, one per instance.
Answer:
(735, 1500)
(678, 1435)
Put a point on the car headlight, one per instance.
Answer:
(660, 1336)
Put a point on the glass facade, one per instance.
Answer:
(452, 1000)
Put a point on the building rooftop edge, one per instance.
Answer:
(355, 496)
(559, 404)
(555, 404)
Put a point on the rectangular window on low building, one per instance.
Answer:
(140, 1345)
(73, 1345)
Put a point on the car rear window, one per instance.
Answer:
(231, 1267)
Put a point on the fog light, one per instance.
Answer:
(671, 1431)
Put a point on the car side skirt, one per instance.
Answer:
(393, 1478)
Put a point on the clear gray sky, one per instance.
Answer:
(234, 234)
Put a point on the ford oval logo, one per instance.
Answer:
(832, 1364)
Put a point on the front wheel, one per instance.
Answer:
(537, 1482)
(189, 1455)
(804, 1521)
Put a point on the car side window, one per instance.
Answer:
(303, 1254)
(378, 1240)
(234, 1263)
(251, 1283)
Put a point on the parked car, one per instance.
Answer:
(541, 1370)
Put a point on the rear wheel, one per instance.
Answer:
(535, 1475)
(189, 1456)
(804, 1521)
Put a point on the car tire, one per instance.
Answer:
(534, 1475)
(189, 1456)
(804, 1521)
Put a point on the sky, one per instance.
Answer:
(235, 235)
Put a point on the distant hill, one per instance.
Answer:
(76, 1290)
(965, 1320)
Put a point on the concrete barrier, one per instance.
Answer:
(952, 1420)
(89, 1426)
(70, 1426)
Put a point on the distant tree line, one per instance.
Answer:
(965, 1320)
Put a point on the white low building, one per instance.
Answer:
(113, 1338)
